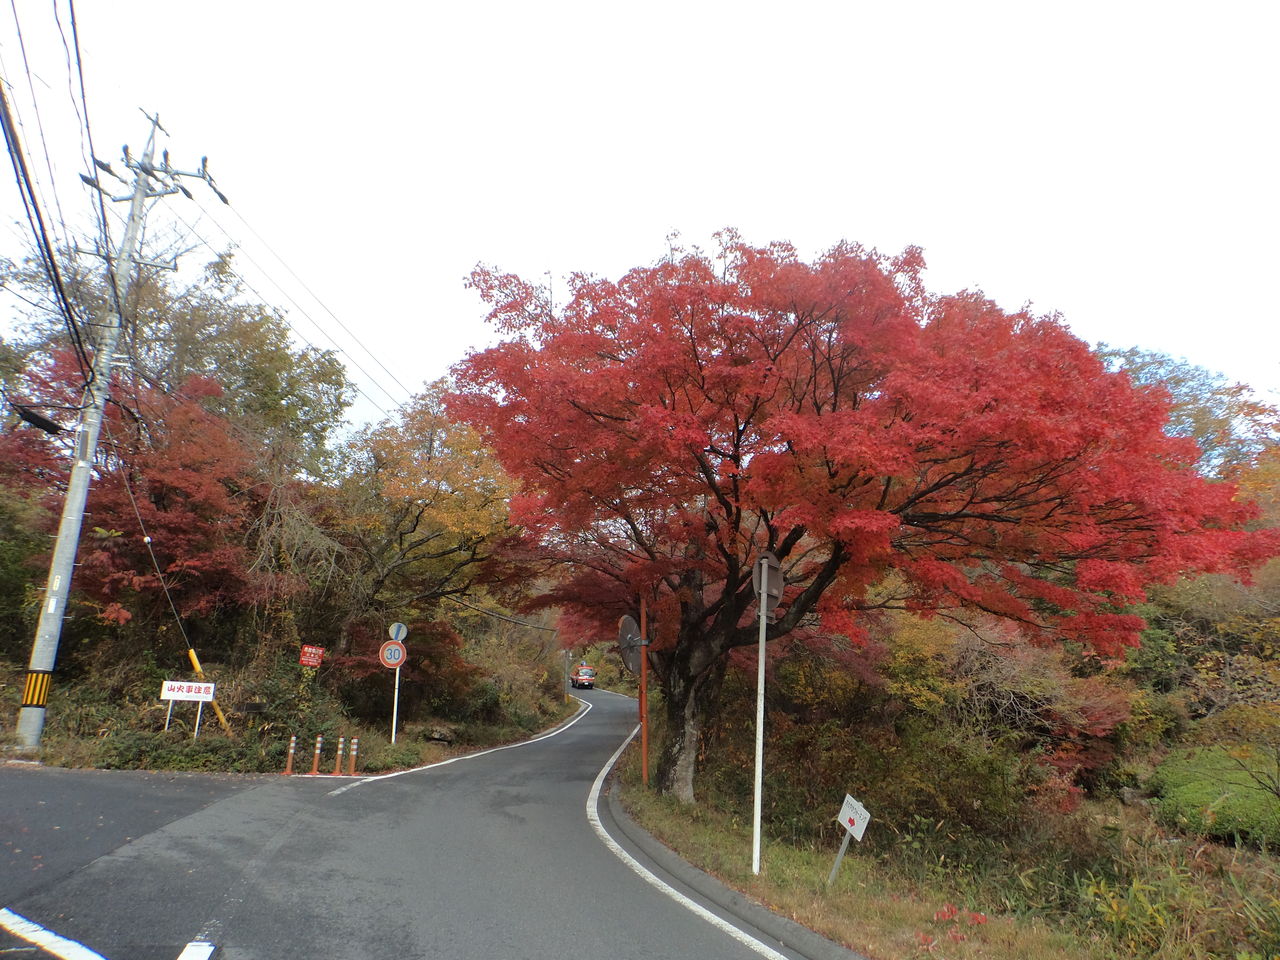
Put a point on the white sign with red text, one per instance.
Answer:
(187, 690)
(854, 817)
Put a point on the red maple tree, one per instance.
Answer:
(894, 449)
(174, 472)
(166, 468)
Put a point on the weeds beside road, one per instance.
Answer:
(1104, 883)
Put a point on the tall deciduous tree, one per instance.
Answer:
(1229, 422)
(274, 410)
(667, 427)
(418, 509)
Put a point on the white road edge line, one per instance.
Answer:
(650, 878)
(586, 708)
(66, 949)
(46, 940)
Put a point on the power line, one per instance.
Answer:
(248, 256)
(92, 159)
(499, 616)
(36, 220)
(149, 181)
(257, 293)
(317, 299)
(35, 106)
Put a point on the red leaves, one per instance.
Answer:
(176, 473)
(667, 427)
(955, 918)
(947, 913)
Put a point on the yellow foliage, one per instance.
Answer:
(917, 670)
(1261, 484)
(427, 459)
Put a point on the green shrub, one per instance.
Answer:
(386, 756)
(920, 766)
(1214, 791)
(176, 750)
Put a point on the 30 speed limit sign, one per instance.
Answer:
(392, 654)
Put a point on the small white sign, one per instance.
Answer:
(854, 817)
(187, 690)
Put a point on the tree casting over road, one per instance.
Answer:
(896, 449)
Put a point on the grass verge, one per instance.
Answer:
(1151, 896)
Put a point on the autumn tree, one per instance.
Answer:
(1229, 422)
(204, 357)
(667, 427)
(31, 477)
(167, 469)
(175, 470)
(417, 508)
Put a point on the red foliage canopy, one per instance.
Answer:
(667, 427)
(164, 459)
(181, 469)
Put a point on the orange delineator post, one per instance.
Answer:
(315, 761)
(337, 761)
(288, 767)
(355, 748)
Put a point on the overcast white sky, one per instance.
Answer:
(1112, 161)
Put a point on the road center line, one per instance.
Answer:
(45, 939)
(586, 708)
(593, 801)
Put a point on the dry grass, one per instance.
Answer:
(863, 909)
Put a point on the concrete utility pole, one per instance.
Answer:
(149, 181)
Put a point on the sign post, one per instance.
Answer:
(766, 577)
(854, 818)
(632, 641)
(392, 654)
(200, 692)
(644, 692)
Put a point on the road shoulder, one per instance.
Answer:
(785, 931)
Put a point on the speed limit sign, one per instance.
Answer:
(392, 654)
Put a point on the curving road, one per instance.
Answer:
(492, 857)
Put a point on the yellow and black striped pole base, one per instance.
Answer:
(35, 693)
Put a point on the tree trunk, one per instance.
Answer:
(691, 695)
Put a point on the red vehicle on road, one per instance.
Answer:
(583, 676)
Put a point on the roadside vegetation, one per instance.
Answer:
(1158, 840)
(1030, 620)
(233, 514)
(114, 719)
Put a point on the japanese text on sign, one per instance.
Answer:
(187, 690)
(854, 817)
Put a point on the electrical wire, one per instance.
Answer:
(91, 160)
(317, 299)
(240, 247)
(35, 219)
(499, 616)
(103, 222)
(155, 563)
(35, 106)
(146, 539)
(257, 293)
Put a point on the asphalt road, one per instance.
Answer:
(491, 856)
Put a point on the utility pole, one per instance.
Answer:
(149, 181)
